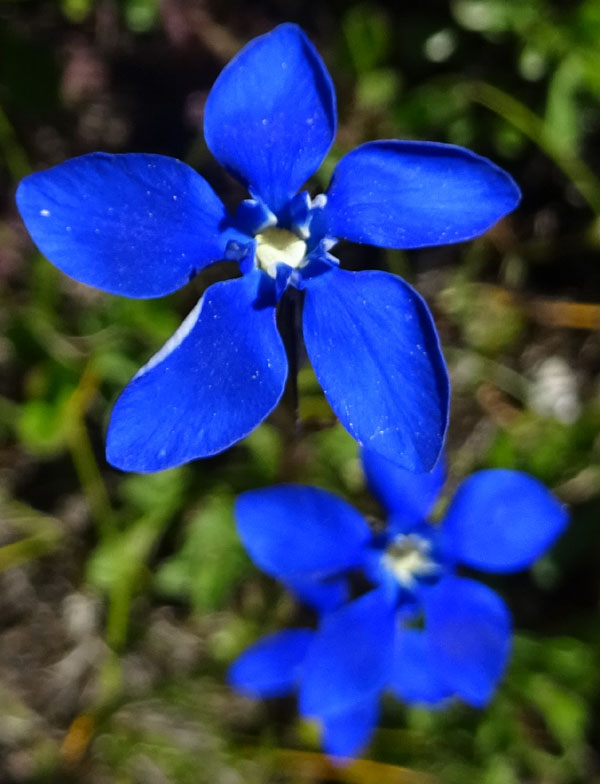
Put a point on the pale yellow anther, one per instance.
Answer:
(407, 557)
(279, 246)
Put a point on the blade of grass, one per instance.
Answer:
(13, 153)
(82, 454)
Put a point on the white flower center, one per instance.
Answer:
(407, 557)
(279, 246)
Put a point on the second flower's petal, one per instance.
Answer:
(270, 116)
(296, 530)
(469, 629)
(374, 347)
(351, 657)
(409, 497)
(272, 666)
(501, 521)
(136, 225)
(416, 194)
(217, 378)
(321, 595)
(345, 734)
(414, 677)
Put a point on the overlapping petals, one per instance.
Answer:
(341, 671)
(293, 531)
(223, 372)
(408, 497)
(414, 677)
(135, 225)
(275, 666)
(323, 595)
(463, 649)
(272, 667)
(468, 629)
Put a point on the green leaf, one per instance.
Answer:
(211, 559)
(43, 424)
(158, 493)
(564, 712)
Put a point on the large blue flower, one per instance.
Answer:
(420, 630)
(143, 225)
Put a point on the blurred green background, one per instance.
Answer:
(123, 598)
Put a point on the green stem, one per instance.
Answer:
(117, 622)
(289, 321)
(12, 151)
(25, 550)
(83, 458)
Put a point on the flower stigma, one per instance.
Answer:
(408, 557)
(278, 246)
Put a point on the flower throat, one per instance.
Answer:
(279, 246)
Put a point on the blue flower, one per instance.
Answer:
(143, 225)
(420, 630)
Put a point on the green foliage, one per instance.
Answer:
(141, 15)
(367, 36)
(210, 560)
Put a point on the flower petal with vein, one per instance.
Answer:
(141, 225)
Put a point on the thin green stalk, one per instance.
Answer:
(505, 378)
(13, 153)
(41, 534)
(83, 458)
(117, 621)
(138, 541)
(24, 550)
(289, 316)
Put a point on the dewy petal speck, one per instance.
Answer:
(142, 225)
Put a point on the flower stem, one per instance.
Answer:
(82, 454)
(290, 324)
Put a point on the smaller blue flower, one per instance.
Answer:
(143, 225)
(421, 630)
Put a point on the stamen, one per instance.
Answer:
(407, 557)
(279, 246)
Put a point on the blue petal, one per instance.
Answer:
(501, 521)
(414, 677)
(376, 353)
(469, 630)
(415, 194)
(270, 117)
(217, 378)
(136, 225)
(351, 657)
(293, 530)
(345, 734)
(407, 496)
(321, 595)
(272, 666)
